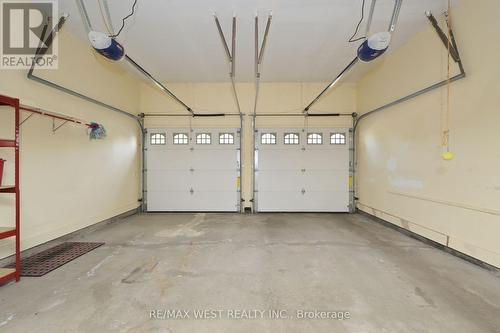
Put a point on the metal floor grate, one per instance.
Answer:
(46, 261)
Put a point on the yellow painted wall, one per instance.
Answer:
(401, 175)
(273, 98)
(67, 181)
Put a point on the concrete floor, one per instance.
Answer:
(317, 262)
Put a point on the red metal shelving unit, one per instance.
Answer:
(7, 274)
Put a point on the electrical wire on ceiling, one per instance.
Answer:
(124, 19)
(351, 40)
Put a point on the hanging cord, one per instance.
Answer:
(124, 19)
(351, 40)
(446, 130)
(106, 24)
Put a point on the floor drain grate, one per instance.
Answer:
(46, 261)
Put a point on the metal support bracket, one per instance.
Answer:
(158, 83)
(259, 56)
(55, 128)
(335, 81)
(444, 38)
(223, 39)
(26, 119)
(450, 43)
(231, 58)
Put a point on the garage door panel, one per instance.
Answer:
(172, 180)
(215, 159)
(304, 177)
(169, 201)
(310, 201)
(192, 177)
(280, 159)
(318, 180)
(196, 201)
(280, 201)
(216, 201)
(277, 180)
(163, 159)
(326, 159)
(325, 180)
(215, 180)
(327, 201)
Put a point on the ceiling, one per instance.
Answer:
(177, 40)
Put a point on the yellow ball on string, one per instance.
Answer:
(448, 156)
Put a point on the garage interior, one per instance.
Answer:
(251, 166)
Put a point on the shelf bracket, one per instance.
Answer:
(55, 128)
(26, 119)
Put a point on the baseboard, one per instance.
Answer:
(75, 234)
(430, 242)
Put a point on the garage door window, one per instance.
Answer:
(291, 139)
(314, 139)
(268, 139)
(158, 139)
(338, 139)
(203, 139)
(181, 139)
(226, 139)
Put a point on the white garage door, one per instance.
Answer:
(302, 170)
(193, 170)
